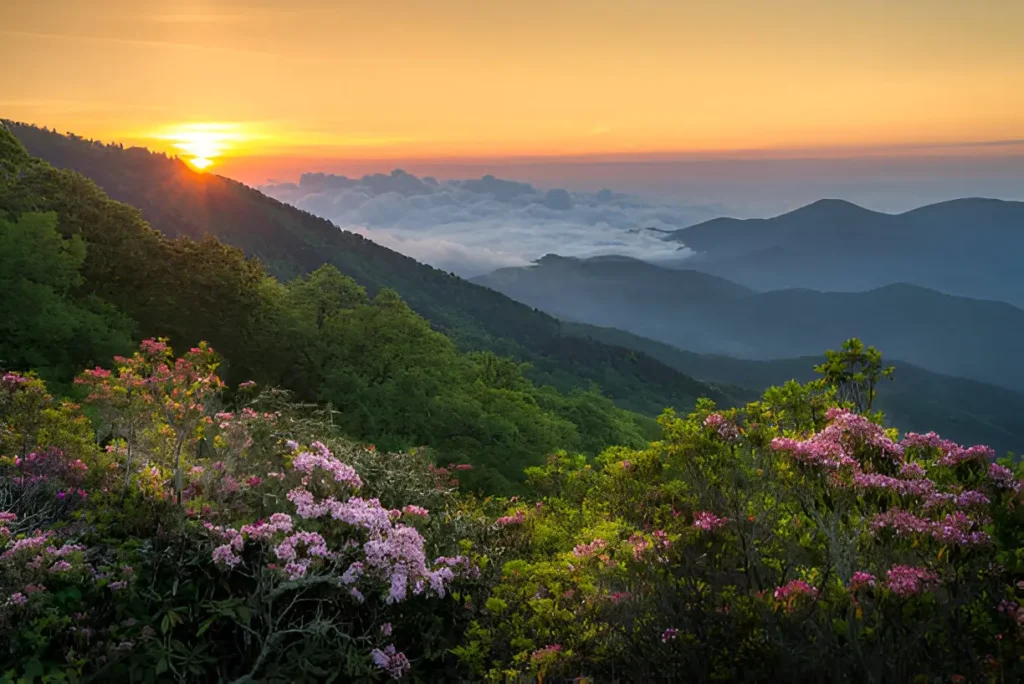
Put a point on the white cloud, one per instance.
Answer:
(472, 227)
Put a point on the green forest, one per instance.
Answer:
(238, 446)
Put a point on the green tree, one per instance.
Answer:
(44, 326)
(855, 371)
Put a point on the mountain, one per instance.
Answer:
(970, 338)
(179, 201)
(970, 412)
(964, 247)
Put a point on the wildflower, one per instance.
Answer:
(507, 520)
(587, 550)
(416, 510)
(861, 580)
(789, 593)
(60, 566)
(393, 662)
(669, 634)
(707, 521)
(17, 599)
(385, 629)
(1003, 477)
(906, 581)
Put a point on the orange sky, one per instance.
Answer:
(409, 79)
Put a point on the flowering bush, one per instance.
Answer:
(791, 539)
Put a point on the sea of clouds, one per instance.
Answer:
(472, 227)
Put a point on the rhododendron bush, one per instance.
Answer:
(188, 532)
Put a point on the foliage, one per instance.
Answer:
(790, 539)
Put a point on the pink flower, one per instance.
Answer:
(789, 593)
(669, 634)
(60, 566)
(707, 521)
(17, 599)
(118, 585)
(516, 519)
(1003, 477)
(587, 550)
(861, 580)
(393, 662)
(416, 510)
(906, 581)
(542, 653)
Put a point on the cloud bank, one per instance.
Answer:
(474, 226)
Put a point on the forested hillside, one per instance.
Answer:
(85, 276)
(180, 202)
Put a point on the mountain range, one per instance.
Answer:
(971, 338)
(969, 247)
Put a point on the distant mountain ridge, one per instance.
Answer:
(968, 247)
(700, 312)
(969, 411)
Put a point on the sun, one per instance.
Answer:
(201, 144)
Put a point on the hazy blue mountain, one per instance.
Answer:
(970, 412)
(968, 247)
(971, 338)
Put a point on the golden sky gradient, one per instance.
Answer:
(413, 79)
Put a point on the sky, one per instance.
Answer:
(649, 95)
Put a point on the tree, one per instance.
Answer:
(854, 371)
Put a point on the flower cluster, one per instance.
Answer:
(320, 456)
(588, 550)
(861, 580)
(669, 634)
(905, 580)
(391, 661)
(415, 510)
(955, 528)
(1003, 477)
(722, 426)
(542, 654)
(789, 593)
(516, 519)
(708, 521)
(835, 446)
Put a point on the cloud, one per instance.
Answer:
(474, 226)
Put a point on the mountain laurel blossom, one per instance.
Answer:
(708, 521)
(905, 580)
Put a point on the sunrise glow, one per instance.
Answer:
(202, 144)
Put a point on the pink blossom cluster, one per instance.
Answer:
(588, 550)
(905, 580)
(861, 580)
(956, 528)
(17, 598)
(542, 653)
(391, 661)
(413, 509)
(792, 590)
(669, 634)
(287, 550)
(724, 427)
(1003, 477)
(321, 457)
(708, 521)
(279, 522)
(640, 544)
(896, 485)
(516, 519)
(833, 447)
